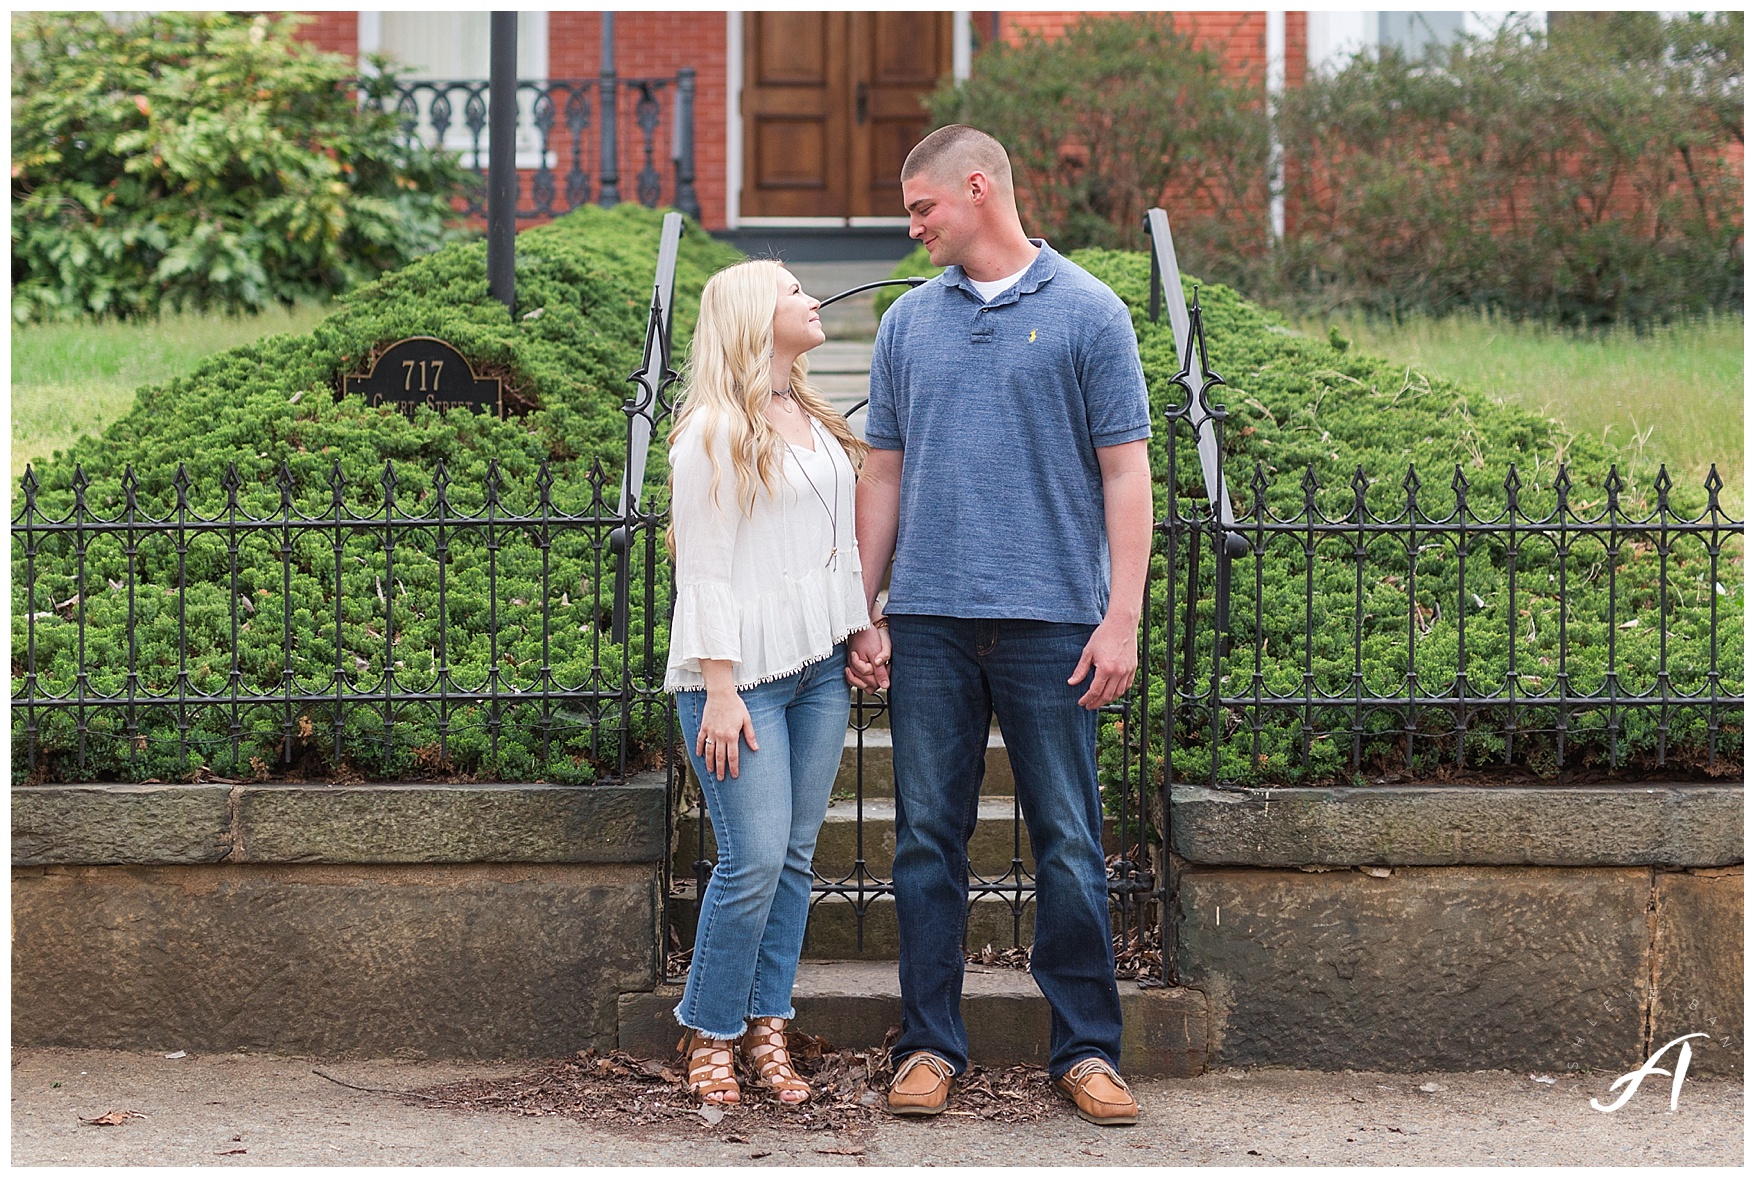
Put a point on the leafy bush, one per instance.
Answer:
(1582, 176)
(1307, 408)
(203, 160)
(1104, 121)
(584, 285)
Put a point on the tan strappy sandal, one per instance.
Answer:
(764, 1050)
(712, 1069)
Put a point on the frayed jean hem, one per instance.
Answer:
(682, 1022)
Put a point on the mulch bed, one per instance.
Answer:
(618, 1089)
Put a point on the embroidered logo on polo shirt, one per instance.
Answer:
(1032, 335)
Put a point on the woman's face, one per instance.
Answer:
(796, 326)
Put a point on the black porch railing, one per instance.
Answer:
(569, 137)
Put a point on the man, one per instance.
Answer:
(1009, 480)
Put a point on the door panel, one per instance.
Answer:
(794, 101)
(831, 108)
(898, 57)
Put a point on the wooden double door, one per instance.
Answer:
(832, 104)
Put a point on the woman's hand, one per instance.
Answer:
(868, 658)
(723, 721)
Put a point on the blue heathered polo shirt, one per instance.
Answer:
(999, 409)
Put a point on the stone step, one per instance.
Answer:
(854, 1004)
(878, 766)
(839, 845)
(833, 932)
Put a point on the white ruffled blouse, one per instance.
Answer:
(772, 591)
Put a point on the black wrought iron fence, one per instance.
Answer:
(569, 137)
(1412, 631)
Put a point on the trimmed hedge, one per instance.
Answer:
(1300, 407)
(584, 284)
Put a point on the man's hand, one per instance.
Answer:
(868, 658)
(1114, 654)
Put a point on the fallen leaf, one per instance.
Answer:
(1542, 1079)
(223, 1152)
(116, 1116)
(178, 1055)
(711, 1115)
(1431, 1086)
(852, 1151)
(766, 1153)
(737, 1139)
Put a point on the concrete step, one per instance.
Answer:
(839, 846)
(841, 356)
(834, 933)
(879, 773)
(854, 1005)
(852, 320)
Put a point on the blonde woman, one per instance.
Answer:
(768, 586)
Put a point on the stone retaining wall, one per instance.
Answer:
(374, 920)
(1409, 929)
(1403, 929)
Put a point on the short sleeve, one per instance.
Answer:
(706, 624)
(882, 425)
(1114, 383)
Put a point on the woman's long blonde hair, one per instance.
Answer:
(729, 378)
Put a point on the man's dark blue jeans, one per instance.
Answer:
(948, 676)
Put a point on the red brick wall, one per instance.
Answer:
(650, 45)
(332, 32)
(1239, 38)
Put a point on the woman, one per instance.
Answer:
(767, 588)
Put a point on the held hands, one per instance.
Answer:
(723, 721)
(1112, 653)
(868, 658)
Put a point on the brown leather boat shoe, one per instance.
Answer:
(1099, 1093)
(922, 1087)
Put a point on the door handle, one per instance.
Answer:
(861, 101)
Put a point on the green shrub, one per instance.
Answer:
(1581, 177)
(584, 284)
(203, 160)
(1103, 121)
(1301, 406)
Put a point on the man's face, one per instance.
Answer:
(941, 216)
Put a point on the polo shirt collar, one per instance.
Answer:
(1040, 272)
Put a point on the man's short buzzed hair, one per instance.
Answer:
(951, 153)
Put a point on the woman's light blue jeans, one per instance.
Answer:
(765, 821)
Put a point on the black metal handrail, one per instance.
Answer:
(560, 126)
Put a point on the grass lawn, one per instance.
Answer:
(70, 379)
(1675, 393)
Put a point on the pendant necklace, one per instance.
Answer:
(834, 512)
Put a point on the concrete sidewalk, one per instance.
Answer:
(262, 1110)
